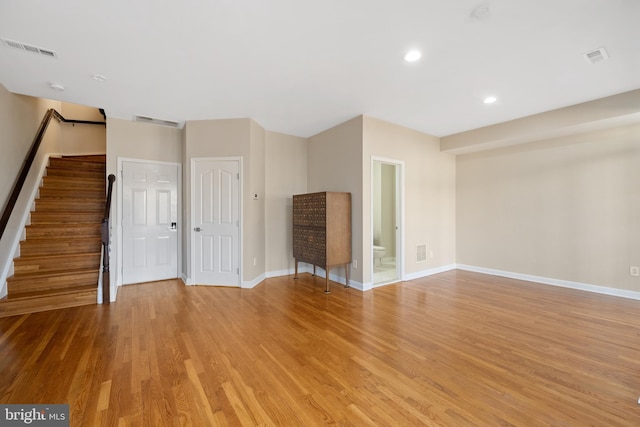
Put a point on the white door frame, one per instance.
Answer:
(399, 164)
(192, 220)
(121, 160)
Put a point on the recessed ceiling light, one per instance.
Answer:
(481, 13)
(56, 86)
(490, 100)
(98, 77)
(412, 55)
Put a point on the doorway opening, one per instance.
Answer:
(386, 230)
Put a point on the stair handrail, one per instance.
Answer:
(28, 162)
(106, 241)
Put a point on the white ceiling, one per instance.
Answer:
(300, 67)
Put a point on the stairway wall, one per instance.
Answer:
(82, 140)
(20, 117)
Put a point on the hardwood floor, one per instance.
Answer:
(452, 349)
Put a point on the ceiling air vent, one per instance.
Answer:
(157, 121)
(29, 48)
(596, 55)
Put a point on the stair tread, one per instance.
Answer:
(42, 240)
(40, 274)
(50, 292)
(67, 197)
(34, 257)
(66, 225)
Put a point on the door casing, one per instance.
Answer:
(399, 167)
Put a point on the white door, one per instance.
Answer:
(216, 222)
(149, 222)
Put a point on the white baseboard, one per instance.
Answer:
(428, 272)
(554, 282)
(320, 272)
(250, 284)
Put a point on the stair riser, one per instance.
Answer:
(42, 265)
(58, 193)
(73, 174)
(48, 205)
(65, 218)
(68, 282)
(28, 248)
(49, 302)
(57, 162)
(62, 182)
(63, 232)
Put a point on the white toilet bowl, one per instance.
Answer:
(378, 253)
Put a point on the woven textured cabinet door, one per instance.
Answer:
(322, 231)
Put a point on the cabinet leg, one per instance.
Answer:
(295, 276)
(326, 280)
(346, 275)
(314, 269)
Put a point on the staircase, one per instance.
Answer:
(59, 262)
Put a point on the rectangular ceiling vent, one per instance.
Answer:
(161, 122)
(596, 55)
(29, 48)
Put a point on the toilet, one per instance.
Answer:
(378, 253)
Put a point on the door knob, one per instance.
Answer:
(197, 229)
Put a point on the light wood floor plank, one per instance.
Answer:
(453, 349)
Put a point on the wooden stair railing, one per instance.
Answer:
(31, 155)
(106, 226)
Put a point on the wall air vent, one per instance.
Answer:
(596, 55)
(161, 122)
(29, 48)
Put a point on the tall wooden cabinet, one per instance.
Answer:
(322, 231)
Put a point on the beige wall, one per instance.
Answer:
(142, 141)
(429, 199)
(81, 139)
(20, 118)
(334, 163)
(233, 138)
(565, 208)
(285, 175)
(254, 220)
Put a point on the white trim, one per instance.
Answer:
(118, 225)
(400, 199)
(280, 273)
(253, 283)
(192, 178)
(81, 154)
(185, 279)
(429, 272)
(554, 282)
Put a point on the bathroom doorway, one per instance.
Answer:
(386, 233)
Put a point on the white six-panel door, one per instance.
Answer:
(149, 222)
(216, 222)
